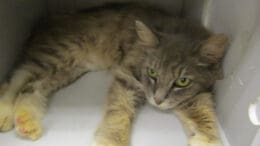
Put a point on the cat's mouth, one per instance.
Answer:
(162, 105)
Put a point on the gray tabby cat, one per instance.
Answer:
(154, 56)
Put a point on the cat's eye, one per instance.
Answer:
(182, 82)
(152, 73)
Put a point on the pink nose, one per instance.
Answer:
(157, 100)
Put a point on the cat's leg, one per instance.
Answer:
(121, 108)
(31, 101)
(8, 92)
(199, 120)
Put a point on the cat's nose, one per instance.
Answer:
(158, 100)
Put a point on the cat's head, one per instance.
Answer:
(179, 66)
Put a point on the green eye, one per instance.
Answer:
(152, 73)
(182, 82)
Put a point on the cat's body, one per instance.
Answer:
(170, 62)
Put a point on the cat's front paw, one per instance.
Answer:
(27, 125)
(199, 140)
(6, 116)
(104, 142)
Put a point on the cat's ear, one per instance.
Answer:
(145, 34)
(214, 48)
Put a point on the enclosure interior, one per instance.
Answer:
(75, 111)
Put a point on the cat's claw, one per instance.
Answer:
(6, 117)
(27, 125)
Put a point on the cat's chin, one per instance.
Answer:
(164, 108)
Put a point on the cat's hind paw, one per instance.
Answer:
(27, 125)
(6, 117)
